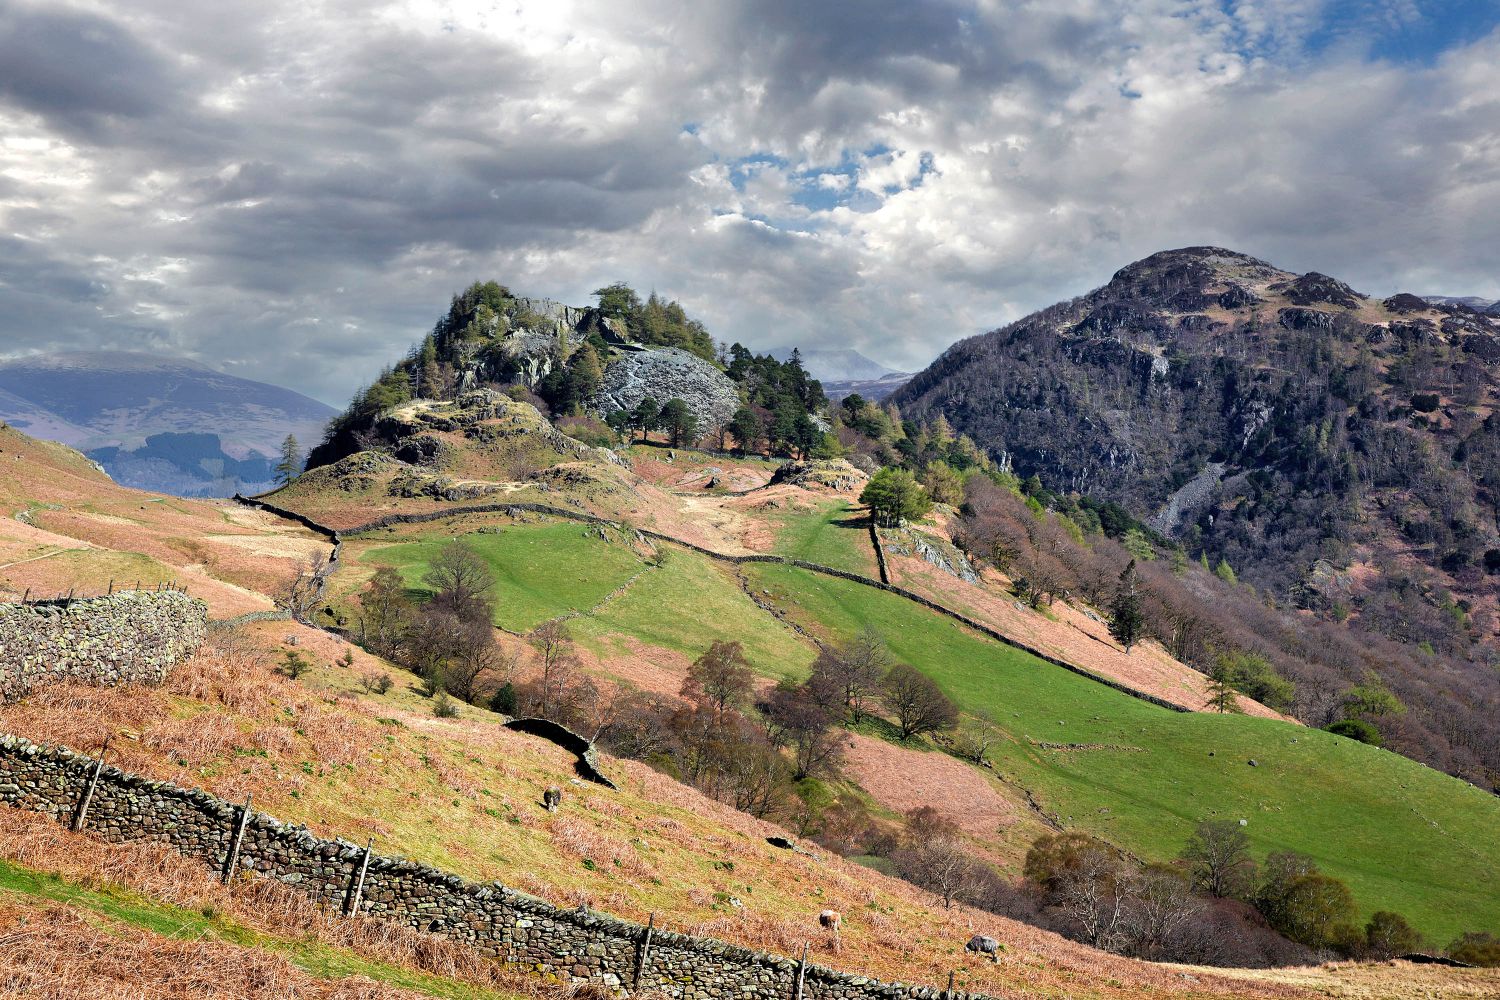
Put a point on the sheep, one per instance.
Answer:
(831, 920)
(982, 944)
(552, 798)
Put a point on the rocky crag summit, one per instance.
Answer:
(1338, 452)
(491, 337)
(1284, 422)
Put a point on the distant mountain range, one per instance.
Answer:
(1490, 307)
(844, 371)
(159, 423)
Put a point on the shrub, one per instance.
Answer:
(1357, 729)
(590, 430)
(1476, 948)
(376, 683)
(1389, 935)
(294, 664)
(1424, 402)
(504, 699)
(443, 706)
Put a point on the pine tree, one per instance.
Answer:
(1126, 623)
(679, 422)
(585, 373)
(746, 428)
(1225, 572)
(646, 416)
(1222, 697)
(291, 460)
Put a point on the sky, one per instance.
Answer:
(291, 190)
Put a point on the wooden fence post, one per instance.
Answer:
(234, 845)
(801, 972)
(949, 994)
(359, 883)
(88, 792)
(645, 955)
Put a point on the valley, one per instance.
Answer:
(337, 696)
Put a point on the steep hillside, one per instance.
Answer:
(159, 423)
(642, 611)
(1341, 454)
(330, 745)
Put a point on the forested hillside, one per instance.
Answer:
(1337, 454)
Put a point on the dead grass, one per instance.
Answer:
(57, 952)
(463, 794)
(902, 780)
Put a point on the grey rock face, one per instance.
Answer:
(663, 374)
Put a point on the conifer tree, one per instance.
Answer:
(1225, 572)
(1126, 622)
(1222, 697)
(291, 460)
(646, 416)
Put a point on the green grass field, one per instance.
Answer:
(688, 603)
(836, 534)
(128, 910)
(541, 570)
(1405, 837)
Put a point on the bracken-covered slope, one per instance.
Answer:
(341, 755)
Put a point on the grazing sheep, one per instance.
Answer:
(831, 920)
(981, 944)
(552, 798)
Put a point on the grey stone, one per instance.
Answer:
(663, 374)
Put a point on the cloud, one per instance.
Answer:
(293, 189)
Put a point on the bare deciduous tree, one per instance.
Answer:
(918, 703)
(301, 593)
(935, 859)
(1218, 857)
(720, 678)
(461, 582)
(852, 672)
(554, 647)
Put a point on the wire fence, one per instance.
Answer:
(66, 599)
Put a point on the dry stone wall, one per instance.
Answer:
(881, 584)
(132, 636)
(510, 926)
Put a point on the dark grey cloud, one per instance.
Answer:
(293, 188)
(77, 68)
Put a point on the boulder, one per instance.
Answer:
(663, 374)
(835, 474)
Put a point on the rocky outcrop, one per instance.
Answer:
(932, 550)
(835, 474)
(1313, 288)
(1190, 498)
(663, 374)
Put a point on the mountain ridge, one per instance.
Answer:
(159, 421)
